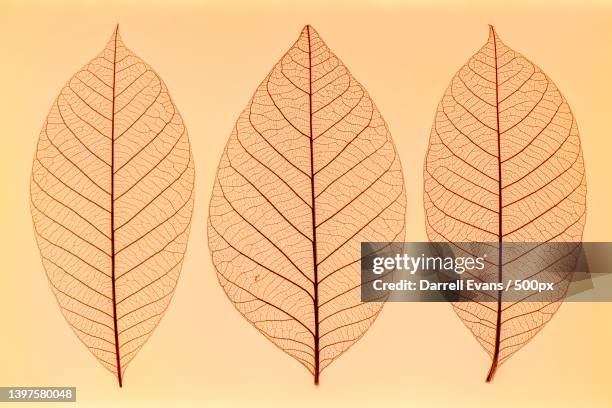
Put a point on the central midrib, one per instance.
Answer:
(314, 221)
(112, 214)
(498, 324)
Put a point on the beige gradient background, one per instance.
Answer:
(212, 56)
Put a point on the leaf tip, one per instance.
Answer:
(493, 36)
(115, 36)
(309, 32)
(492, 33)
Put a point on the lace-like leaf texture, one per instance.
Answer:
(309, 172)
(504, 164)
(111, 201)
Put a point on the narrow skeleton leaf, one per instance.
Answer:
(309, 172)
(505, 165)
(111, 200)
